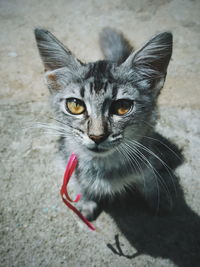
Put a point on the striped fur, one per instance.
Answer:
(123, 158)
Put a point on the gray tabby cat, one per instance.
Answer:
(106, 111)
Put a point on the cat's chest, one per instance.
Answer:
(92, 171)
(102, 181)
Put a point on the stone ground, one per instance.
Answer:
(36, 229)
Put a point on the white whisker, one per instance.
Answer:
(146, 162)
(144, 148)
(162, 143)
(132, 157)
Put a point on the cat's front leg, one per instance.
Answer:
(88, 208)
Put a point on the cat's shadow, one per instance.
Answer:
(175, 236)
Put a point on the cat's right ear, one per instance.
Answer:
(53, 53)
(150, 63)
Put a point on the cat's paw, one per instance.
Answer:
(89, 209)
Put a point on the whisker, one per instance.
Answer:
(135, 161)
(162, 143)
(127, 157)
(141, 156)
(132, 161)
(169, 170)
(48, 128)
(61, 122)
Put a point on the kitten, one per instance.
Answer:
(107, 113)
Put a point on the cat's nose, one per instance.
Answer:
(98, 138)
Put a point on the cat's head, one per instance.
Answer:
(102, 104)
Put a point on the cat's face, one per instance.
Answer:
(102, 108)
(101, 105)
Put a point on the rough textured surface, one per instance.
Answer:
(36, 228)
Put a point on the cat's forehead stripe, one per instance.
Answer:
(96, 86)
(105, 86)
(114, 92)
(91, 87)
(82, 92)
(99, 86)
(100, 72)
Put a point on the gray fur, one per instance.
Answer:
(53, 52)
(126, 156)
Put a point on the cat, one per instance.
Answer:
(107, 111)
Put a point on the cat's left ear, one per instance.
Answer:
(151, 61)
(60, 64)
(53, 53)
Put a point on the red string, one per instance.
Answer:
(71, 165)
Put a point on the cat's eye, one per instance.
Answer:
(75, 106)
(121, 107)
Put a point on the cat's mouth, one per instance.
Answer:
(102, 150)
(97, 149)
(104, 147)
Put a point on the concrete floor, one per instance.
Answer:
(36, 229)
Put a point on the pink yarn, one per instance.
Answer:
(71, 165)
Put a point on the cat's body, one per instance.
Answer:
(107, 112)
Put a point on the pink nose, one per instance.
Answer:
(98, 138)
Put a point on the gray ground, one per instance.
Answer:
(36, 228)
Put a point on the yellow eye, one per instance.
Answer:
(75, 106)
(121, 107)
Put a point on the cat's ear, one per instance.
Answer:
(53, 53)
(151, 61)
